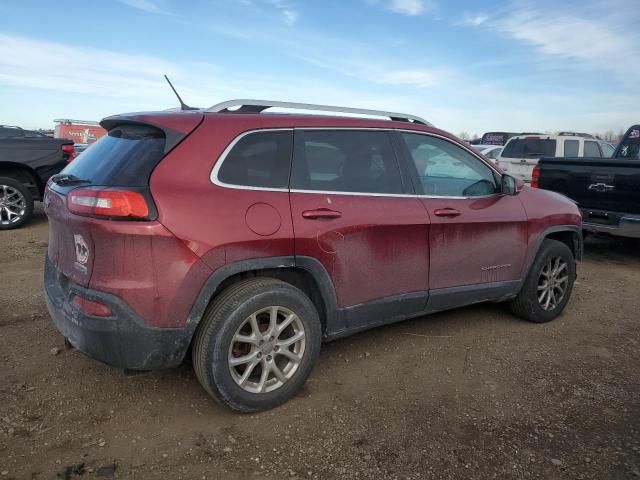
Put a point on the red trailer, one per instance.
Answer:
(79, 131)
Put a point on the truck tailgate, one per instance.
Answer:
(611, 184)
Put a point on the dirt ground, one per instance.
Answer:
(471, 393)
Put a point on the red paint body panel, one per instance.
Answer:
(489, 232)
(378, 247)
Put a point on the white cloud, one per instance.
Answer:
(149, 6)
(474, 19)
(599, 39)
(410, 7)
(290, 16)
(286, 8)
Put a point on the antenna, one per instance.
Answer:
(183, 106)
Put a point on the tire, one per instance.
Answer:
(228, 318)
(16, 204)
(531, 303)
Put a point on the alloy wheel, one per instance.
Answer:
(267, 349)
(13, 205)
(553, 283)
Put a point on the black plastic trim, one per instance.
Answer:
(122, 340)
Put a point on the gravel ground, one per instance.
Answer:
(471, 393)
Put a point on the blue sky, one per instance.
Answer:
(475, 66)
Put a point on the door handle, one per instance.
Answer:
(321, 213)
(446, 212)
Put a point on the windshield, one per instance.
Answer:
(530, 147)
(124, 157)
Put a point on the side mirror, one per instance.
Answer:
(511, 185)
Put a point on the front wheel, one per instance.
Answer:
(548, 287)
(16, 203)
(257, 344)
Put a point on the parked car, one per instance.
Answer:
(27, 160)
(522, 152)
(607, 190)
(490, 151)
(249, 239)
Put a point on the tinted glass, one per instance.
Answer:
(533, 147)
(591, 149)
(125, 157)
(447, 170)
(345, 161)
(571, 148)
(260, 159)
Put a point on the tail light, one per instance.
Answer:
(91, 307)
(68, 152)
(108, 203)
(535, 177)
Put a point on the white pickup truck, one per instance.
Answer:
(522, 152)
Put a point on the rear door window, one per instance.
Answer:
(571, 148)
(591, 149)
(345, 161)
(529, 147)
(126, 156)
(260, 160)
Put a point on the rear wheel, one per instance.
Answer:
(257, 344)
(548, 287)
(16, 203)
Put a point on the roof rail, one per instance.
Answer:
(11, 126)
(258, 106)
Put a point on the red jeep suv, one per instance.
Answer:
(247, 238)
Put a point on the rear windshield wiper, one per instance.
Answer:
(67, 179)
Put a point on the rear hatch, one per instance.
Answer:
(121, 161)
(521, 154)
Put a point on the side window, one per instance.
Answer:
(607, 150)
(345, 161)
(571, 148)
(591, 149)
(260, 159)
(447, 170)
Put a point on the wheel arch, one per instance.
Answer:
(24, 174)
(305, 273)
(570, 235)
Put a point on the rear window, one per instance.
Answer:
(126, 156)
(591, 149)
(532, 147)
(630, 147)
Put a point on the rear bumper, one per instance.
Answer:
(614, 223)
(122, 340)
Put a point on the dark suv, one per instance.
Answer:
(248, 238)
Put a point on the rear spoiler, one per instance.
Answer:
(175, 125)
